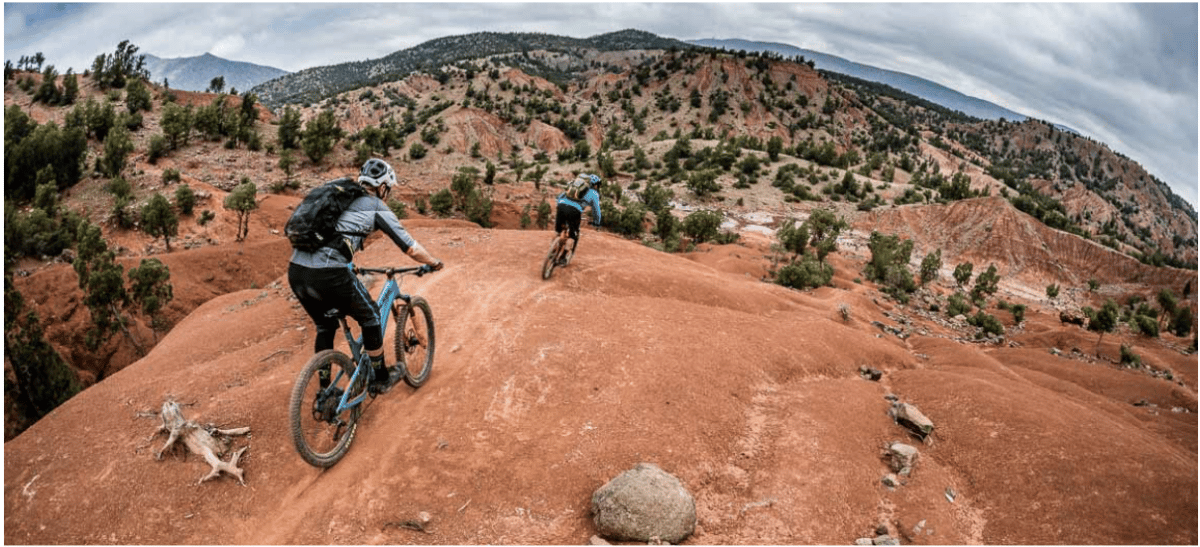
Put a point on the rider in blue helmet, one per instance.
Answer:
(583, 192)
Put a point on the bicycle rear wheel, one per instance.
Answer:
(323, 435)
(415, 342)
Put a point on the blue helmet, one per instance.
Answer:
(594, 180)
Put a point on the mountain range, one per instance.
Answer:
(925, 89)
(196, 73)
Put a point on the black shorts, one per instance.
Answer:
(568, 217)
(322, 289)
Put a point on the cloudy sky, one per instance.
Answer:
(1124, 74)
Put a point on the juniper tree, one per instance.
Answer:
(159, 219)
(242, 201)
(150, 290)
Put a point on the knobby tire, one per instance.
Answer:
(414, 341)
(320, 443)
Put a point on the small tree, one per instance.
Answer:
(1052, 291)
(986, 283)
(805, 273)
(930, 266)
(116, 146)
(442, 202)
(824, 227)
(703, 183)
(1168, 304)
(1104, 320)
(242, 201)
(289, 129)
(793, 237)
(159, 219)
(185, 199)
(320, 134)
(543, 215)
(216, 85)
(962, 273)
(151, 291)
(287, 164)
(702, 226)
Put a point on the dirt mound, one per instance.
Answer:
(542, 391)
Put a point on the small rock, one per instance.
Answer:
(910, 417)
(950, 494)
(869, 373)
(889, 480)
(881, 530)
(864, 541)
(597, 540)
(886, 540)
(903, 458)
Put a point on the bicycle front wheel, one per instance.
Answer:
(551, 259)
(414, 341)
(322, 434)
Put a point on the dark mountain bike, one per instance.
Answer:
(560, 254)
(327, 400)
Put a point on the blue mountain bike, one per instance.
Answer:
(329, 395)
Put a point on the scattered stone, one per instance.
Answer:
(889, 480)
(869, 373)
(903, 458)
(864, 541)
(644, 503)
(886, 540)
(1142, 402)
(917, 529)
(910, 417)
(597, 540)
(891, 397)
(1055, 351)
(950, 494)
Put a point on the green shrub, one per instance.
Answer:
(957, 305)
(1018, 312)
(805, 273)
(442, 202)
(1128, 357)
(702, 226)
(987, 323)
(1145, 325)
(185, 199)
(398, 207)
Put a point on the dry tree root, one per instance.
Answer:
(199, 440)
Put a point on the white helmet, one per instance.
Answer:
(376, 172)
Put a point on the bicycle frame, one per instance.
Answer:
(389, 294)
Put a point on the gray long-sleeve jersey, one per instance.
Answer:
(364, 215)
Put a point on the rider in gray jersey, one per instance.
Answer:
(323, 279)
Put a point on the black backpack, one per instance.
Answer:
(313, 224)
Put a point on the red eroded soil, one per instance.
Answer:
(542, 391)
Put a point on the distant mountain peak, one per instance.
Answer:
(196, 73)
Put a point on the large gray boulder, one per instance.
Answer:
(643, 504)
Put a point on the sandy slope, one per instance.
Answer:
(544, 390)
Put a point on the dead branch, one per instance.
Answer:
(200, 440)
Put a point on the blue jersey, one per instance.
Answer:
(592, 198)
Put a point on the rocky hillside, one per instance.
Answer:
(568, 56)
(767, 402)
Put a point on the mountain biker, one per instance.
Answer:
(570, 210)
(323, 279)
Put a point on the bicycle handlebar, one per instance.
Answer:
(419, 270)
